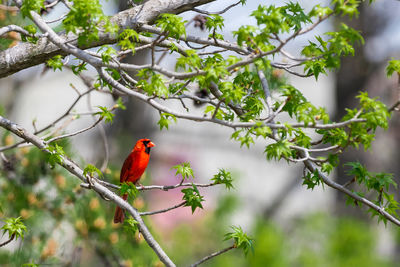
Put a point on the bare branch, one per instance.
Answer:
(163, 210)
(8, 241)
(74, 133)
(212, 256)
(216, 12)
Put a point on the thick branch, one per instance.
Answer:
(26, 55)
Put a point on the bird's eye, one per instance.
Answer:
(146, 142)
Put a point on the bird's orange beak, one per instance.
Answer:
(151, 144)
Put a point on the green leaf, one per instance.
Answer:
(172, 24)
(32, 30)
(79, 68)
(91, 170)
(261, 130)
(130, 189)
(241, 239)
(380, 181)
(312, 179)
(55, 62)
(14, 226)
(223, 177)
(357, 170)
(55, 155)
(245, 139)
(106, 53)
(278, 150)
(130, 226)
(120, 104)
(85, 18)
(192, 197)
(156, 86)
(184, 170)
(128, 39)
(31, 5)
(105, 114)
(214, 22)
(165, 120)
(393, 66)
(348, 8)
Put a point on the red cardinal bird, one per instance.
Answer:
(133, 168)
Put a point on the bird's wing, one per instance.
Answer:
(128, 164)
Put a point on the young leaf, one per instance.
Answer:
(55, 62)
(55, 155)
(130, 226)
(184, 169)
(393, 66)
(106, 114)
(223, 177)
(172, 24)
(241, 239)
(130, 189)
(165, 120)
(14, 226)
(31, 5)
(192, 197)
(90, 170)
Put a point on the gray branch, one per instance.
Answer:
(312, 168)
(26, 55)
(74, 169)
(212, 256)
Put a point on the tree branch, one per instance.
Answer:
(8, 241)
(75, 170)
(312, 168)
(26, 55)
(212, 256)
(146, 213)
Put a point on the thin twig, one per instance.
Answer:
(212, 256)
(8, 241)
(216, 12)
(74, 133)
(146, 213)
(154, 187)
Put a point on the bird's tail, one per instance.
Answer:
(119, 213)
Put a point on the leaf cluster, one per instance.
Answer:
(84, 18)
(192, 197)
(130, 189)
(379, 183)
(184, 170)
(325, 54)
(14, 227)
(91, 170)
(106, 114)
(241, 239)
(172, 25)
(55, 155)
(223, 177)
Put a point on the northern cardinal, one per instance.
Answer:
(134, 166)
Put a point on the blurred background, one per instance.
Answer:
(291, 226)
